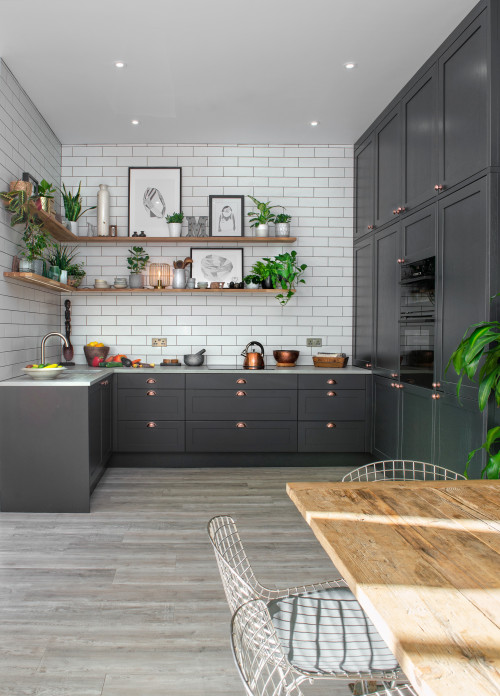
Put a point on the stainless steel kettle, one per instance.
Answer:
(253, 360)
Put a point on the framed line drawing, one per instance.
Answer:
(217, 265)
(153, 193)
(226, 216)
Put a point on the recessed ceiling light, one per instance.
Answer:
(135, 122)
(314, 123)
(350, 65)
(119, 64)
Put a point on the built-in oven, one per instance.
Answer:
(417, 322)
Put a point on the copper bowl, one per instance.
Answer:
(286, 358)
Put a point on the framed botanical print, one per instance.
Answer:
(217, 265)
(226, 216)
(153, 193)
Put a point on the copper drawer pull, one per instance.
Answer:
(331, 425)
(435, 396)
(151, 425)
(241, 425)
(151, 393)
(105, 383)
(241, 381)
(150, 381)
(241, 393)
(331, 381)
(331, 393)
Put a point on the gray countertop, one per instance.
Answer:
(84, 376)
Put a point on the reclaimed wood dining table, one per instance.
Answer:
(423, 560)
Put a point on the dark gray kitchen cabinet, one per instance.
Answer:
(386, 418)
(150, 436)
(348, 404)
(241, 436)
(418, 234)
(464, 75)
(100, 428)
(420, 141)
(225, 404)
(362, 338)
(386, 301)
(460, 428)
(388, 168)
(462, 274)
(364, 174)
(328, 436)
(417, 423)
(152, 404)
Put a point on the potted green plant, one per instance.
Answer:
(282, 271)
(73, 207)
(35, 242)
(479, 351)
(16, 203)
(61, 257)
(282, 224)
(175, 224)
(76, 274)
(45, 199)
(261, 218)
(137, 262)
(252, 281)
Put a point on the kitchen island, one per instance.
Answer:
(58, 436)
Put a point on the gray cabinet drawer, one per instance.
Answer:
(321, 404)
(150, 436)
(160, 404)
(241, 436)
(239, 380)
(223, 404)
(329, 379)
(150, 380)
(330, 436)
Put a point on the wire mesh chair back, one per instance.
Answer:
(238, 579)
(401, 470)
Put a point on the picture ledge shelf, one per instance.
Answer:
(49, 284)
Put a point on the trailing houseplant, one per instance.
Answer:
(137, 262)
(73, 207)
(261, 217)
(479, 353)
(175, 224)
(35, 242)
(282, 271)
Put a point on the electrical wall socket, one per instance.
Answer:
(314, 342)
(159, 342)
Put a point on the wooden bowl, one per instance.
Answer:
(286, 358)
(324, 361)
(95, 351)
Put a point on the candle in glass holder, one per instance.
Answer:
(160, 275)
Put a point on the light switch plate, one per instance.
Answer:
(159, 342)
(314, 342)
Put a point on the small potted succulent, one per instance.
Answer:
(175, 224)
(137, 262)
(261, 218)
(45, 199)
(35, 242)
(282, 224)
(252, 281)
(76, 274)
(73, 208)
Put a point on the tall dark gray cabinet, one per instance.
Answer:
(426, 188)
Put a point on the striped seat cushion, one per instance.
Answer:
(327, 631)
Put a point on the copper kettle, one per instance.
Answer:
(253, 360)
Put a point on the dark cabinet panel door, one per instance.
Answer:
(161, 404)
(95, 432)
(463, 76)
(417, 418)
(151, 380)
(418, 232)
(363, 303)
(460, 429)
(106, 420)
(364, 171)
(329, 379)
(388, 195)
(241, 436)
(462, 275)
(225, 404)
(420, 144)
(317, 404)
(150, 436)
(329, 436)
(385, 419)
(387, 276)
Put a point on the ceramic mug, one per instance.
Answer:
(202, 285)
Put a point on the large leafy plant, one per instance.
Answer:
(62, 256)
(283, 270)
(35, 240)
(17, 204)
(479, 351)
(138, 259)
(73, 204)
(263, 214)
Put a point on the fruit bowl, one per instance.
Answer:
(92, 352)
(43, 372)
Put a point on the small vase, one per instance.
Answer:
(103, 211)
(38, 266)
(175, 229)
(54, 272)
(179, 282)
(72, 226)
(282, 229)
(262, 231)
(136, 280)
(25, 266)
(63, 278)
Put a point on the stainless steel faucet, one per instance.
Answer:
(44, 340)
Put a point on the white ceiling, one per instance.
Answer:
(218, 71)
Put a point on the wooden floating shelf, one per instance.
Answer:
(183, 240)
(56, 229)
(41, 281)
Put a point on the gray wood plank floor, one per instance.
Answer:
(127, 601)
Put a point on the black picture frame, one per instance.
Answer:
(235, 226)
(163, 188)
(209, 271)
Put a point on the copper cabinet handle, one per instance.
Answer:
(401, 260)
(392, 384)
(241, 381)
(241, 425)
(151, 425)
(150, 381)
(436, 385)
(151, 393)
(394, 212)
(331, 425)
(438, 187)
(368, 364)
(331, 381)
(105, 383)
(331, 393)
(435, 396)
(241, 393)
(371, 227)
(402, 210)
(394, 375)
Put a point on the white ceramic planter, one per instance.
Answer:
(72, 226)
(262, 231)
(252, 286)
(282, 229)
(175, 229)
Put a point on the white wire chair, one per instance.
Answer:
(402, 470)
(261, 662)
(321, 627)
